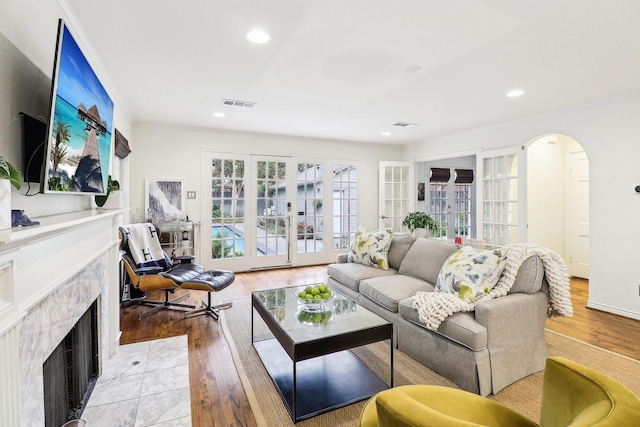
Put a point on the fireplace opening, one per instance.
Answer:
(71, 371)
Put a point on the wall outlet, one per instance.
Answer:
(191, 194)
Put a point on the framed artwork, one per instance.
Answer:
(79, 141)
(421, 191)
(164, 199)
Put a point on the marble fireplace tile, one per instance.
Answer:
(109, 390)
(165, 379)
(178, 342)
(158, 386)
(128, 361)
(167, 359)
(180, 422)
(163, 407)
(117, 414)
(45, 326)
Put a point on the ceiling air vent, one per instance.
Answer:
(405, 124)
(236, 103)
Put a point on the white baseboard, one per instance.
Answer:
(614, 310)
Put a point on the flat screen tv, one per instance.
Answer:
(79, 137)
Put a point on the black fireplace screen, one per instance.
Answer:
(71, 371)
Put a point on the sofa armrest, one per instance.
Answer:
(513, 315)
(342, 258)
(515, 335)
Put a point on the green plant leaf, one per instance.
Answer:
(7, 171)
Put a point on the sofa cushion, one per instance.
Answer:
(529, 277)
(459, 327)
(350, 274)
(371, 248)
(470, 273)
(400, 244)
(425, 258)
(388, 291)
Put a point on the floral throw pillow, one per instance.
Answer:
(371, 248)
(470, 273)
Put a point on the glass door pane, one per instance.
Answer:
(310, 208)
(273, 221)
(345, 205)
(227, 213)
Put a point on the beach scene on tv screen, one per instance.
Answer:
(79, 147)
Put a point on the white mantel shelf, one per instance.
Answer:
(53, 224)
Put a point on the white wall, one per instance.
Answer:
(609, 132)
(546, 166)
(175, 152)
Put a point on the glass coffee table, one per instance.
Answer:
(309, 358)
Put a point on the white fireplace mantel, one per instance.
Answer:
(56, 248)
(52, 224)
(58, 266)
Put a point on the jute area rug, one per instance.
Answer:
(522, 396)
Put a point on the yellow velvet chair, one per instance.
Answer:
(572, 396)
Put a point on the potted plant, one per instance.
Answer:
(416, 221)
(112, 186)
(9, 176)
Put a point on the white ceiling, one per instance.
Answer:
(338, 68)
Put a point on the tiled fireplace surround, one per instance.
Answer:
(49, 276)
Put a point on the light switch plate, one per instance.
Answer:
(191, 194)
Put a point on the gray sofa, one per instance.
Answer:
(483, 351)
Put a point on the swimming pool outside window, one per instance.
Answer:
(227, 213)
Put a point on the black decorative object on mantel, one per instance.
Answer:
(18, 218)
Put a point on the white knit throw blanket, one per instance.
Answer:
(434, 307)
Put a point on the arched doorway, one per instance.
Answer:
(558, 199)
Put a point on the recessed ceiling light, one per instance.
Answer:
(257, 36)
(218, 114)
(515, 93)
(385, 133)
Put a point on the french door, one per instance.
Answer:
(502, 215)
(397, 193)
(272, 203)
(265, 211)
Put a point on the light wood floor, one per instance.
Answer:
(217, 396)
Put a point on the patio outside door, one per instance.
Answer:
(272, 208)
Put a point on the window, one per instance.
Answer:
(462, 202)
(439, 206)
(450, 196)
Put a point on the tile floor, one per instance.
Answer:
(144, 384)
